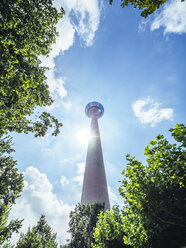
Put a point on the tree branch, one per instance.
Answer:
(171, 223)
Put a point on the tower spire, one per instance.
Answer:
(95, 184)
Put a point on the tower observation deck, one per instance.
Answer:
(95, 184)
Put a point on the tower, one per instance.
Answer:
(95, 184)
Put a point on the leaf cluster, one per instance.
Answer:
(40, 236)
(154, 195)
(109, 230)
(147, 6)
(11, 184)
(27, 30)
(81, 226)
(154, 212)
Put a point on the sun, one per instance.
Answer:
(83, 136)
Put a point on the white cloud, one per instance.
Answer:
(71, 160)
(37, 198)
(79, 156)
(112, 196)
(67, 105)
(82, 17)
(143, 25)
(64, 180)
(65, 160)
(172, 18)
(80, 173)
(56, 85)
(150, 112)
(63, 42)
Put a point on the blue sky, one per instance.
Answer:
(135, 67)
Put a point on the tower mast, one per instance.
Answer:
(95, 184)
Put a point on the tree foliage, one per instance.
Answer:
(40, 236)
(27, 30)
(109, 230)
(147, 6)
(82, 222)
(154, 213)
(11, 184)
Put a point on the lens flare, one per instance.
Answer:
(83, 136)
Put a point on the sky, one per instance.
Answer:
(135, 68)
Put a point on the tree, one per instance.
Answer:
(40, 236)
(82, 222)
(147, 6)
(27, 30)
(109, 232)
(154, 212)
(11, 184)
(154, 194)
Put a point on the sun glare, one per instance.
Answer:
(83, 136)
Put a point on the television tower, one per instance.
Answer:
(95, 184)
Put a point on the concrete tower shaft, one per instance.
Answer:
(95, 184)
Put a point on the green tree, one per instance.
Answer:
(109, 232)
(82, 222)
(11, 184)
(27, 30)
(154, 212)
(40, 236)
(147, 6)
